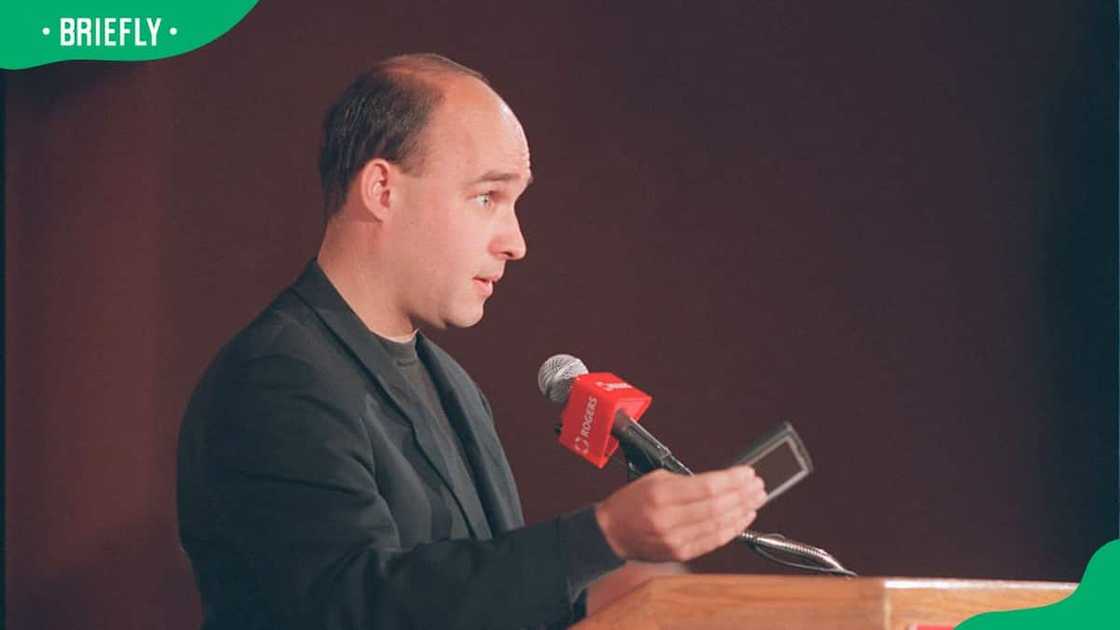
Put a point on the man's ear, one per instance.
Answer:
(376, 182)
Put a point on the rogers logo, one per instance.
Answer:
(582, 441)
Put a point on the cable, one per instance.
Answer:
(764, 544)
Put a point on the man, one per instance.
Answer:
(339, 470)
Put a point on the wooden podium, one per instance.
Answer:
(749, 602)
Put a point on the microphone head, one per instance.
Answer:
(555, 376)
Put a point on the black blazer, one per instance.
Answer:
(312, 493)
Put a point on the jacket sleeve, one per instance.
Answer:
(294, 494)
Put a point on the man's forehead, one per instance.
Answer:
(475, 130)
(496, 176)
(478, 109)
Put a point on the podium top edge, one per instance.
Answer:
(891, 582)
(954, 583)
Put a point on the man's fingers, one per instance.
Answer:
(758, 498)
(665, 516)
(698, 518)
(697, 539)
(705, 511)
(748, 495)
(677, 489)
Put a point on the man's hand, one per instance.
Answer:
(664, 516)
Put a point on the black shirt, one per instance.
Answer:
(419, 379)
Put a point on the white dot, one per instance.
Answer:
(46, 31)
(173, 31)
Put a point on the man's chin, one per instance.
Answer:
(468, 321)
(464, 319)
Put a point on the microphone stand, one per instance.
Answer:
(648, 454)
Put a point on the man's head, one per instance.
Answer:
(381, 115)
(422, 164)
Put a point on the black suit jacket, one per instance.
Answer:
(310, 489)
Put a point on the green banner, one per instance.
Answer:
(37, 32)
(1094, 605)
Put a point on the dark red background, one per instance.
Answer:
(893, 224)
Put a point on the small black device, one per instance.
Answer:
(780, 458)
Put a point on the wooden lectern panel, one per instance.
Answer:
(728, 602)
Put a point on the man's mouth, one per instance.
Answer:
(486, 285)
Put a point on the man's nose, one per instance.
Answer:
(510, 242)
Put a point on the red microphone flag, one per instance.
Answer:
(589, 415)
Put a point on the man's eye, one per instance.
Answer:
(485, 200)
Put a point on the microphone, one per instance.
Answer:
(600, 415)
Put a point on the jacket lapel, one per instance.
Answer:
(314, 288)
(475, 425)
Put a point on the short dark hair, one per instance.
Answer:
(381, 115)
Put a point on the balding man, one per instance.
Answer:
(339, 470)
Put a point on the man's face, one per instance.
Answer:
(453, 226)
